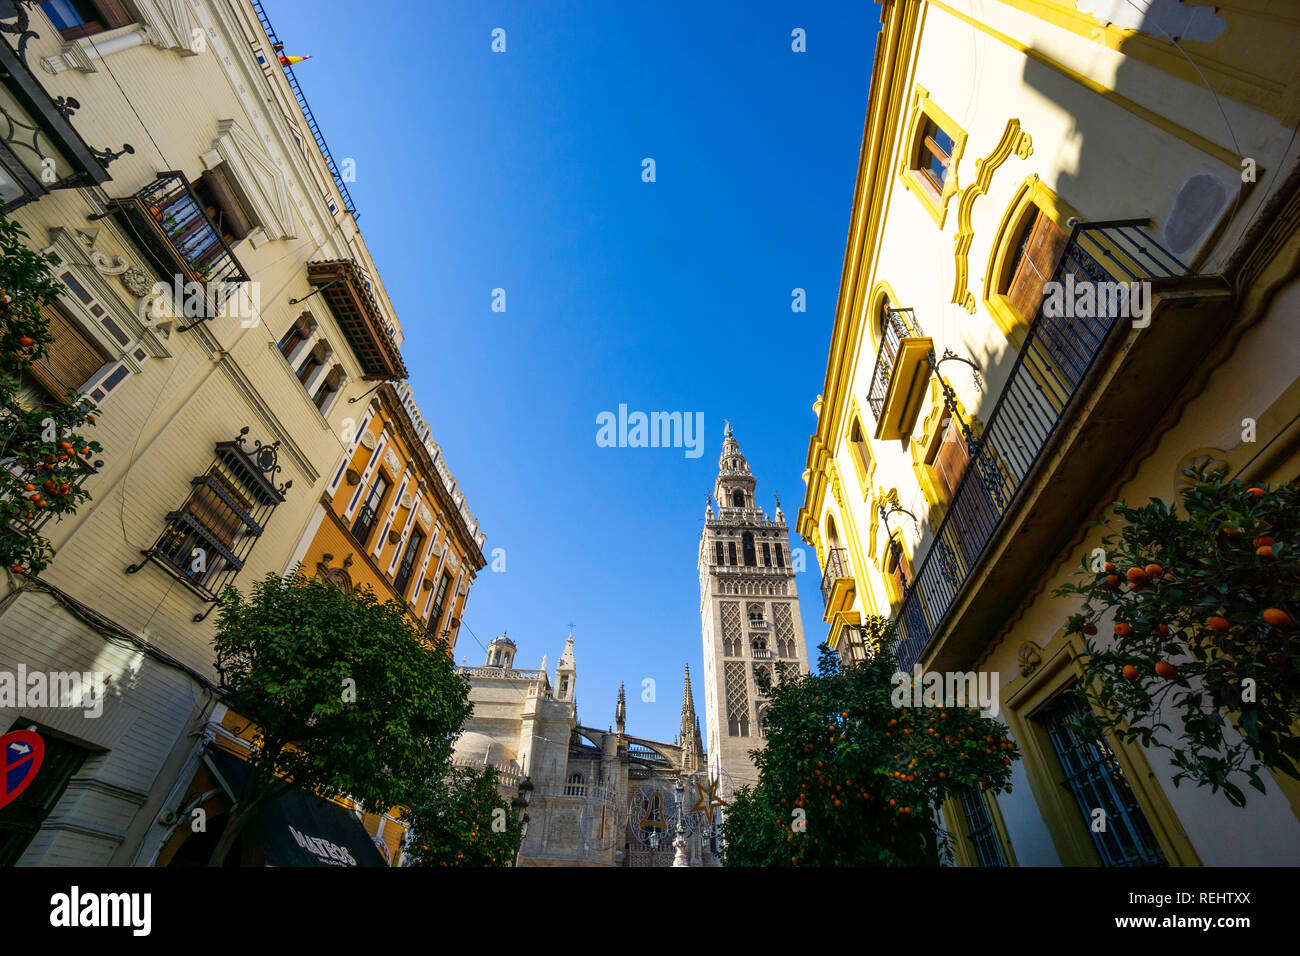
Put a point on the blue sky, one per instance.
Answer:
(523, 171)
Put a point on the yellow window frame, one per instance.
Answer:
(1026, 695)
(914, 180)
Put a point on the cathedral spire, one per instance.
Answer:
(692, 749)
(620, 712)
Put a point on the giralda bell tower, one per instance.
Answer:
(749, 612)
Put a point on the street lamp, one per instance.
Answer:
(520, 805)
(680, 842)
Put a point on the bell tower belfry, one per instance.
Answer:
(749, 612)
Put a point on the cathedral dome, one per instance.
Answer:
(480, 749)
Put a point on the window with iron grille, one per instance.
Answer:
(206, 541)
(979, 828)
(436, 616)
(1095, 780)
(22, 819)
(369, 512)
(408, 562)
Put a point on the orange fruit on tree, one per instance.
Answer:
(1217, 623)
(1112, 581)
(1154, 571)
(1090, 629)
(1265, 552)
(1130, 672)
(1255, 492)
(1163, 629)
(1263, 541)
(1136, 576)
(1110, 568)
(1166, 670)
(1276, 617)
(1123, 629)
(27, 341)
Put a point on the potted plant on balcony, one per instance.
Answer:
(1200, 655)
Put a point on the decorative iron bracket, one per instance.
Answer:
(107, 155)
(950, 356)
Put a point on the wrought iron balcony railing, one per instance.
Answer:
(899, 324)
(173, 228)
(837, 567)
(1042, 385)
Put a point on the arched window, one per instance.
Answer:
(832, 536)
(780, 556)
(737, 499)
(720, 558)
(748, 543)
(731, 552)
(576, 787)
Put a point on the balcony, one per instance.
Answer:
(837, 582)
(898, 381)
(169, 223)
(760, 654)
(1080, 396)
(342, 284)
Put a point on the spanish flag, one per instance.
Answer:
(291, 60)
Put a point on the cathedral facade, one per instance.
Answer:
(600, 797)
(749, 610)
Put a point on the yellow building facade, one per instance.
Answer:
(966, 439)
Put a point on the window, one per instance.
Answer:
(747, 543)
(369, 512)
(299, 332)
(576, 787)
(1030, 242)
(973, 517)
(1036, 250)
(329, 386)
(1093, 777)
(315, 359)
(206, 541)
(934, 155)
(719, 552)
(979, 828)
(71, 360)
(217, 195)
(897, 568)
(935, 144)
(21, 819)
(780, 557)
(737, 499)
(81, 18)
(767, 555)
(758, 646)
(438, 599)
(412, 554)
(862, 460)
(731, 552)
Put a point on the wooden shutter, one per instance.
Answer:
(214, 514)
(234, 218)
(1042, 247)
(70, 360)
(951, 459)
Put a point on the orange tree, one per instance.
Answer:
(41, 454)
(344, 695)
(463, 820)
(1201, 606)
(848, 778)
